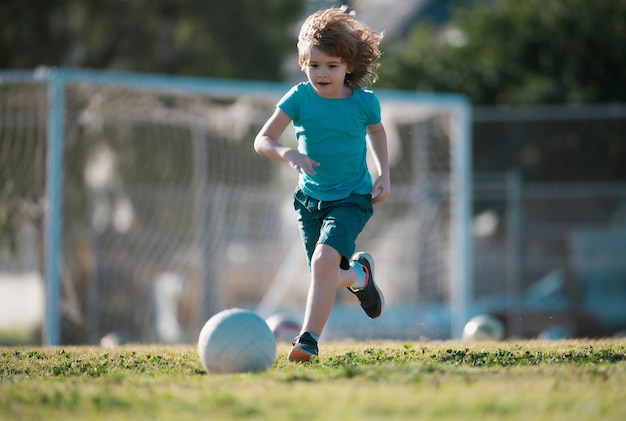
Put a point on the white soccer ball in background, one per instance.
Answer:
(554, 333)
(484, 327)
(236, 341)
(285, 329)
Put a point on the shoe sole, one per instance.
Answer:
(370, 260)
(296, 355)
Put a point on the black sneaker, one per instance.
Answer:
(370, 297)
(304, 347)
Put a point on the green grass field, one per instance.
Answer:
(563, 380)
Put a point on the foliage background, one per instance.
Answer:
(493, 51)
(517, 52)
(223, 38)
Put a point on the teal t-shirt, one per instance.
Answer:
(333, 133)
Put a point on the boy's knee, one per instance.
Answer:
(325, 258)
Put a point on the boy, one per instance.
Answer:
(332, 115)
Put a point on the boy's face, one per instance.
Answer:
(327, 74)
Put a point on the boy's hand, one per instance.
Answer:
(300, 162)
(381, 190)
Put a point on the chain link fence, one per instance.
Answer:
(550, 219)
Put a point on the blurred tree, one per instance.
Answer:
(219, 38)
(517, 52)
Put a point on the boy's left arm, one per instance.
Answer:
(378, 145)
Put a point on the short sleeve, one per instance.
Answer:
(289, 104)
(373, 108)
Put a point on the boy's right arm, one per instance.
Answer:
(266, 144)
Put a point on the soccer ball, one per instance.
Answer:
(554, 333)
(484, 328)
(283, 327)
(236, 341)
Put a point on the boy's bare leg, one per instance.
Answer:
(326, 278)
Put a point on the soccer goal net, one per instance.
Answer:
(155, 212)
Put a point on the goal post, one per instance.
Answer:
(152, 181)
(460, 248)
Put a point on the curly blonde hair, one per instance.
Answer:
(338, 33)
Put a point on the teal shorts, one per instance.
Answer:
(336, 223)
